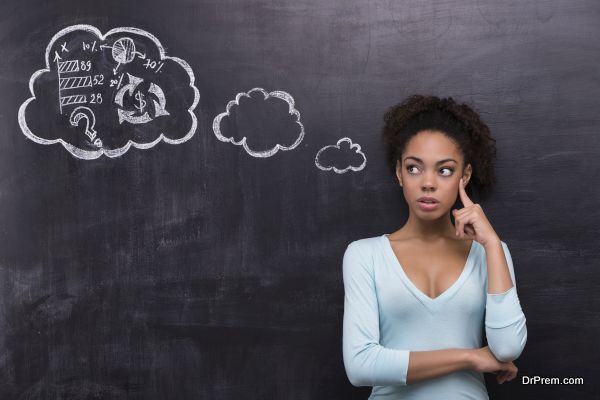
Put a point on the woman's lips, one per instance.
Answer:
(427, 206)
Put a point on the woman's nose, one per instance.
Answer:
(428, 181)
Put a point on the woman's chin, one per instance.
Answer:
(430, 215)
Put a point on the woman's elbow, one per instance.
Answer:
(357, 375)
(509, 350)
(356, 370)
(358, 380)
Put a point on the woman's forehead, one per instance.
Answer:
(431, 146)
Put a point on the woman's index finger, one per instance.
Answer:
(463, 194)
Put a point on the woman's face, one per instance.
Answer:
(432, 165)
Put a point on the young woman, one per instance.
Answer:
(416, 301)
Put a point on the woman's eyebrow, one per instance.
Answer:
(437, 163)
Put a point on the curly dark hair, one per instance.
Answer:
(457, 121)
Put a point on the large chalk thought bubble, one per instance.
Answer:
(102, 94)
(336, 157)
(260, 121)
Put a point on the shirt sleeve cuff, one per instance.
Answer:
(502, 309)
(392, 367)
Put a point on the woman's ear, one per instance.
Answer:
(467, 174)
(399, 171)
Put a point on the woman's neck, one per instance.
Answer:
(427, 230)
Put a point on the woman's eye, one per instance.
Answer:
(408, 168)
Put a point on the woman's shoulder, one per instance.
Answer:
(365, 247)
(366, 243)
(360, 254)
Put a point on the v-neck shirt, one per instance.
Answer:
(386, 317)
(432, 304)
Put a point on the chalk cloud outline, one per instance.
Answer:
(336, 146)
(242, 142)
(89, 154)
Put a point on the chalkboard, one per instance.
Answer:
(179, 181)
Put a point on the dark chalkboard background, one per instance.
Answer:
(196, 271)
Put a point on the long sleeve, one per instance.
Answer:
(367, 363)
(505, 323)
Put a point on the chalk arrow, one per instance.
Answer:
(134, 81)
(160, 107)
(129, 117)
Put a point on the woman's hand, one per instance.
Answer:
(483, 360)
(470, 222)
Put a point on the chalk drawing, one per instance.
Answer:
(275, 96)
(130, 116)
(120, 88)
(86, 113)
(345, 150)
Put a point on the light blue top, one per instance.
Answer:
(386, 316)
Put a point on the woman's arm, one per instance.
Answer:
(500, 276)
(367, 362)
(505, 323)
(430, 364)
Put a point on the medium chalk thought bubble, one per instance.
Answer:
(101, 94)
(337, 157)
(260, 121)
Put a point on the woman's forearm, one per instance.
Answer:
(430, 364)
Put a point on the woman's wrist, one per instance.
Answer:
(468, 358)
